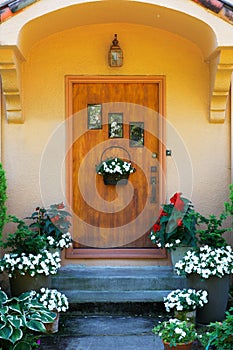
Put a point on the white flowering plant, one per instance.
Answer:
(116, 166)
(53, 300)
(206, 261)
(43, 263)
(175, 332)
(185, 299)
(64, 241)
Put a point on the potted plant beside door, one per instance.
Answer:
(56, 302)
(209, 266)
(52, 223)
(175, 228)
(176, 334)
(185, 302)
(29, 263)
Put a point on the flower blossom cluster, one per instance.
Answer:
(167, 245)
(115, 166)
(65, 241)
(53, 300)
(44, 263)
(185, 299)
(207, 262)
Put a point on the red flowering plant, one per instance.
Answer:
(52, 223)
(176, 224)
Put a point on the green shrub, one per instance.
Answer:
(221, 333)
(23, 240)
(3, 198)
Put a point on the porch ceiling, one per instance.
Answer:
(185, 19)
(40, 21)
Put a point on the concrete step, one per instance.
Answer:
(84, 284)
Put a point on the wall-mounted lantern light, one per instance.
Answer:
(115, 55)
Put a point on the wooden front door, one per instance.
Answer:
(114, 117)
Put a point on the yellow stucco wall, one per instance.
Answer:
(200, 162)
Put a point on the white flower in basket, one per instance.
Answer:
(114, 166)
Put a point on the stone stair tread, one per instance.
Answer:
(115, 297)
(102, 271)
(116, 284)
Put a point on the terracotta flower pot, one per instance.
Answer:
(187, 346)
(53, 326)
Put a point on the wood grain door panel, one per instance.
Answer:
(114, 220)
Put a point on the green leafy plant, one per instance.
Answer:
(20, 319)
(212, 232)
(3, 198)
(175, 332)
(221, 333)
(176, 225)
(23, 240)
(53, 225)
(229, 204)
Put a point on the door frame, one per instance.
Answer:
(116, 253)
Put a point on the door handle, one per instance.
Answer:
(153, 189)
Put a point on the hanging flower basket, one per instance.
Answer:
(115, 179)
(115, 171)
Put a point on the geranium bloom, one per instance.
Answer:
(179, 222)
(176, 224)
(156, 227)
(177, 201)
